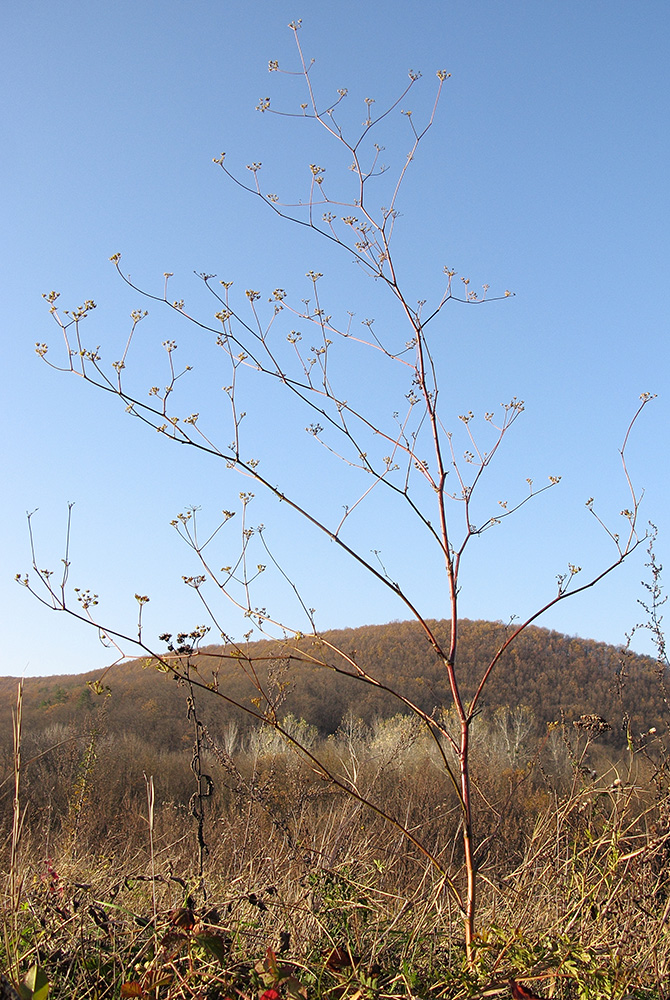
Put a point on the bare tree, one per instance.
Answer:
(411, 455)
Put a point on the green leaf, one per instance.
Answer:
(35, 985)
(295, 989)
(214, 944)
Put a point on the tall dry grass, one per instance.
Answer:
(572, 852)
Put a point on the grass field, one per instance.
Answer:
(124, 878)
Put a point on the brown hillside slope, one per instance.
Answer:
(549, 672)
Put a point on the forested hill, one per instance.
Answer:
(549, 672)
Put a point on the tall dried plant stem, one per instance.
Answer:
(11, 926)
(151, 799)
(14, 878)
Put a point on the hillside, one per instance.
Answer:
(549, 672)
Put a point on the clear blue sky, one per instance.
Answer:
(546, 173)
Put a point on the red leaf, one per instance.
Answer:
(271, 963)
(520, 992)
(172, 943)
(182, 917)
(131, 990)
(340, 958)
(270, 995)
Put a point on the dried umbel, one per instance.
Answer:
(592, 724)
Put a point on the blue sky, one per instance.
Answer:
(545, 173)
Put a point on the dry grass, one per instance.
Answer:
(574, 888)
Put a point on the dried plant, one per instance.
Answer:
(412, 456)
